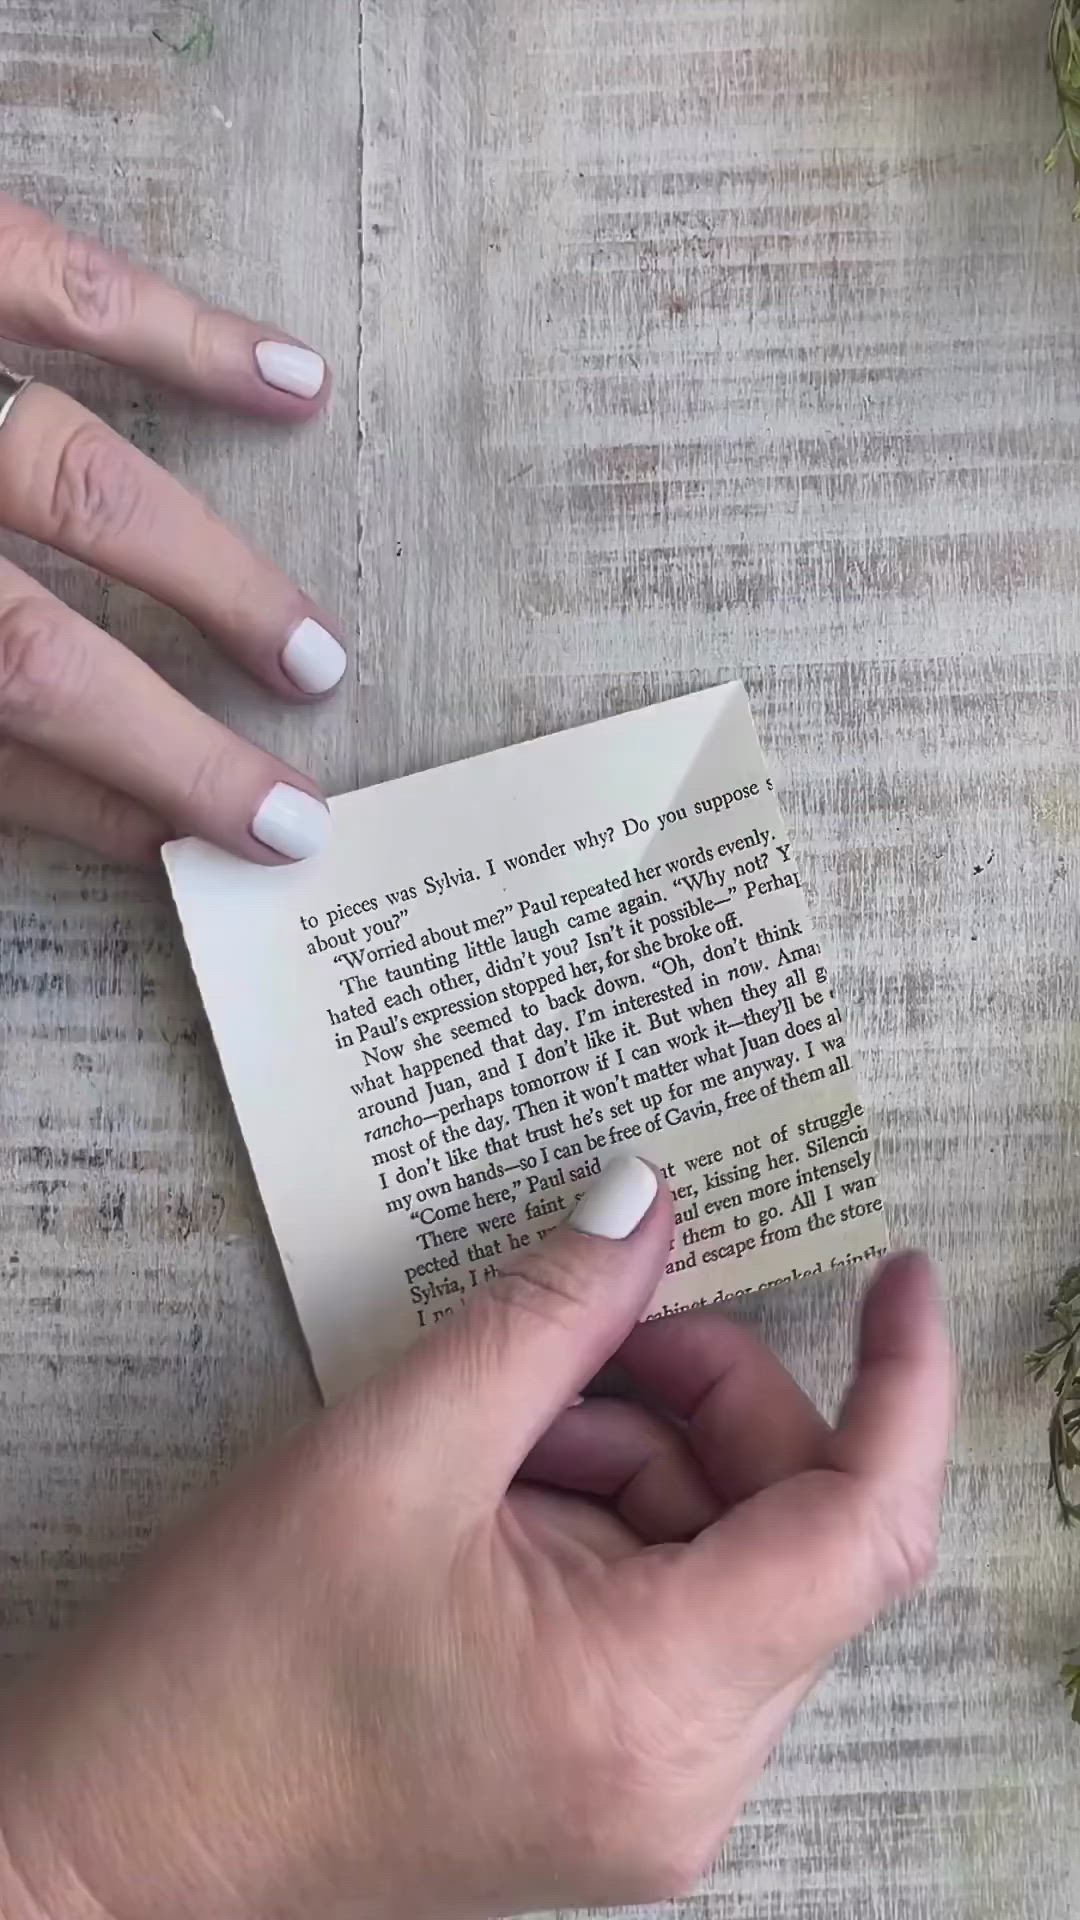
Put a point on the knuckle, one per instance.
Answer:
(40, 668)
(205, 784)
(244, 606)
(913, 1526)
(203, 334)
(95, 285)
(901, 1521)
(97, 493)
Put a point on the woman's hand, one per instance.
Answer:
(93, 746)
(466, 1648)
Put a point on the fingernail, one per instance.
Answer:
(313, 659)
(292, 822)
(291, 369)
(618, 1199)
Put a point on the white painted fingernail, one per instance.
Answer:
(618, 1199)
(291, 369)
(313, 659)
(292, 822)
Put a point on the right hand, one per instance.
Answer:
(93, 745)
(464, 1649)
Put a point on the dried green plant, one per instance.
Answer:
(197, 43)
(1064, 49)
(1060, 1356)
(1059, 1360)
(1070, 1680)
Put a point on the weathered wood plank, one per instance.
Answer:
(725, 338)
(699, 338)
(145, 1333)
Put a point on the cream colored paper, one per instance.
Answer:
(500, 973)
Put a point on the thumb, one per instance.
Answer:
(482, 1388)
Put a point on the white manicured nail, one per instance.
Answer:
(618, 1199)
(292, 822)
(313, 659)
(291, 369)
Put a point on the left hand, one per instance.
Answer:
(93, 745)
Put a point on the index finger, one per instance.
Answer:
(747, 1421)
(61, 289)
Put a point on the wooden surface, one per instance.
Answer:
(146, 1337)
(700, 337)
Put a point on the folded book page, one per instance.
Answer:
(501, 973)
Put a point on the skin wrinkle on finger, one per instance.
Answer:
(69, 481)
(56, 287)
(908, 1525)
(200, 341)
(93, 489)
(98, 286)
(67, 290)
(41, 668)
(71, 691)
(575, 1531)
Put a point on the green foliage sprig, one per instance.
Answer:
(1059, 1359)
(1070, 1680)
(1064, 48)
(197, 43)
(1061, 1356)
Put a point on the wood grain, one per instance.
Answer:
(700, 337)
(145, 1334)
(712, 339)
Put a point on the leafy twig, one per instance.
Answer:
(1070, 1680)
(199, 44)
(1064, 50)
(1059, 1358)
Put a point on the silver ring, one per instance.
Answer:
(11, 386)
